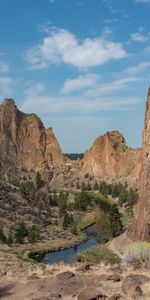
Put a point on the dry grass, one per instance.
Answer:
(139, 252)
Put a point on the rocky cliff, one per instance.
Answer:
(141, 227)
(24, 142)
(109, 158)
(25, 145)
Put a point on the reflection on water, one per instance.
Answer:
(68, 255)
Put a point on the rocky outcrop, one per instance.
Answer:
(141, 227)
(109, 158)
(24, 141)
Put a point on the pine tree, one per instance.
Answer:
(21, 233)
(38, 181)
(115, 220)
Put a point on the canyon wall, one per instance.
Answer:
(140, 229)
(24, 141)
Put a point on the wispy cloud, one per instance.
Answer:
(4, 67)
(80, 83)
(141, 67)
(139, 37)
(95, 95)
(62, 47)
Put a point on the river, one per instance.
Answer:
(70, 255)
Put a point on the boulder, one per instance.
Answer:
(91, 294)
(131, 287)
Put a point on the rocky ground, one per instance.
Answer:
(19, 279)
(79, 281)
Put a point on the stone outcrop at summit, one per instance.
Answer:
(24, 141)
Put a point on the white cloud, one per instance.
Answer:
(62, 46)
(80, 83)
(139, 37)
(5, 87)
(4, 67)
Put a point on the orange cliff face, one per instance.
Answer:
(24, 142)
(109, 158)
(140, 229)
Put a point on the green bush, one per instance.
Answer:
(98, 254)
(27, 187)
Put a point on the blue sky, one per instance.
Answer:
(82, 65)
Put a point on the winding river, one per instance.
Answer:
(70, 255)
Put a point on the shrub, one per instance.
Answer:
(98, 254)
(74, 230)
(27, 187)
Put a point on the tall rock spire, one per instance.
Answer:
(141, 226)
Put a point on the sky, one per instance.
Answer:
(82, 65)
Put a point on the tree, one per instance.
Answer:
(10, 239)
(68, 220)
(21, 233)
(132, 199)
(78, 185)
(62, 202)
(38, 181)
(115, 220)
(89, 188)
(95, 187)
(33, 235)
(123, 197)
(83, 186)
(2, 236)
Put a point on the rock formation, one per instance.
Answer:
(24, 142)
(109, 158)
(141, 227)
(25, 145)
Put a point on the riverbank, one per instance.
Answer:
(11, 257)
